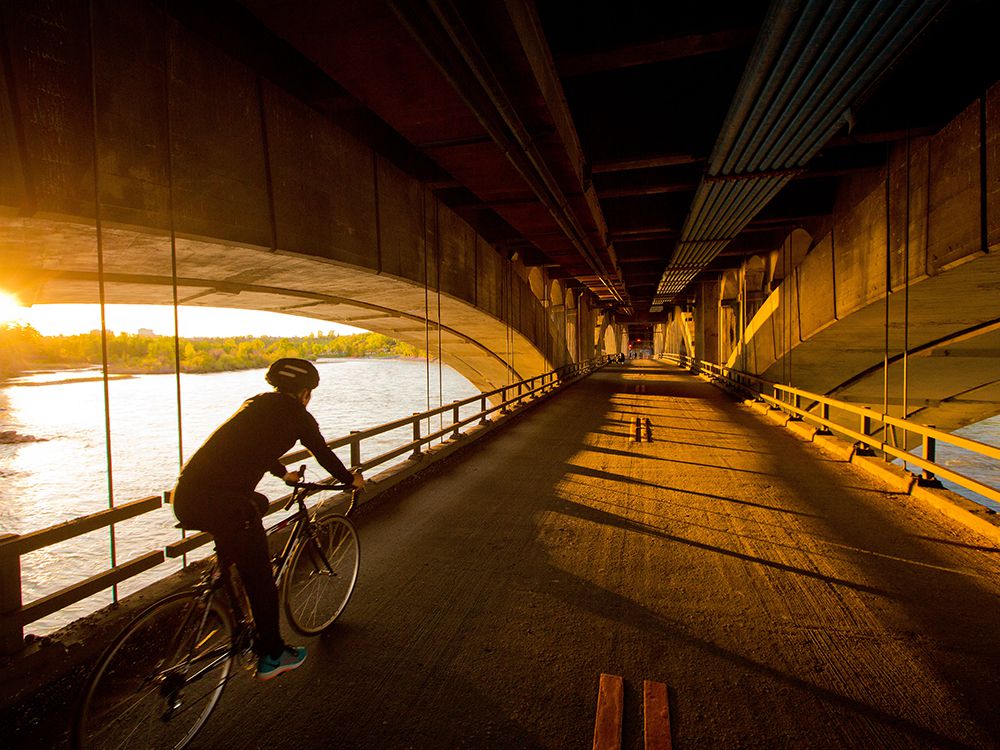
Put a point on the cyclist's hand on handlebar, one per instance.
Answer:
(359, 481)
(292, 477)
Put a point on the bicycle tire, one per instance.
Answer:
(321, 574)
(142, 692)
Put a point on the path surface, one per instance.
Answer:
(786, 600)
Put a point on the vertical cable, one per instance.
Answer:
(506, 307)
(984, 237)
(888, 288)
(173, 252)
(100, 287)
(510, 323)
(906, 293)
(272, 213)
(437, 245)
(786, 313)
(794, 319)
(427, 312)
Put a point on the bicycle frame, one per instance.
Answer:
(300, 519)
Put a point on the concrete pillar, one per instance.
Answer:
(601, 330)
(660, 339)
(706, 318)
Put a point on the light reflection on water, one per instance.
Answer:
(971, 464)
(62, 474)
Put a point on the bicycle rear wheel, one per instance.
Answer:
(155, 686)
(321, 574)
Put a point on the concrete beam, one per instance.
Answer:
(181, 155)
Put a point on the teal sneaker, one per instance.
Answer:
(291, 657)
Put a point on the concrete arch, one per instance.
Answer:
(893, 311)
(785, 258)
(536, 282)
(270, 207)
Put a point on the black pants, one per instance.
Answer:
(234, 519)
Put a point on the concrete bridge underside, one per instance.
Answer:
(137, 268)
(785, 599)
(175, 163)
(895, 298)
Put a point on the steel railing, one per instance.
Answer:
(15, 614)
(817, 409)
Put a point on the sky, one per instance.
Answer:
(55, 320)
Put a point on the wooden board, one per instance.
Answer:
(656, 716)
(608, 722)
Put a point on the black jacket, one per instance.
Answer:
(249, 443)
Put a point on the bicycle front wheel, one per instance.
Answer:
(157, 683)
(321, 574)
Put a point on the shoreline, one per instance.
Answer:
(123, 373)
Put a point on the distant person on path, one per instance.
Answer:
(216, 492)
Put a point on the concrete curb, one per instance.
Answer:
(958, 508)
(48, 659)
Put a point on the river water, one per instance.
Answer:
(53, 452)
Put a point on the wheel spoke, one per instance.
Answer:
(321, 576)
(132, 700)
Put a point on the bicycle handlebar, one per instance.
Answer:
(299, 489)
(316, 487)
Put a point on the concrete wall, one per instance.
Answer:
(903, 267)
(174, 148)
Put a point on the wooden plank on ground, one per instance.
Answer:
(608, 722)
(656, 716)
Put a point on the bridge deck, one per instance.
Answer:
(785, 599)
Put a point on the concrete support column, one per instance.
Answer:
(660, 339)
(706, 317)
(602, 330)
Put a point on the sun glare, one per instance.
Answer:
(10, 308)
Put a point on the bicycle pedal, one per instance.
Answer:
(248, 660)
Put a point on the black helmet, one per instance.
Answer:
(292, 375)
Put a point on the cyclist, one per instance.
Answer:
(216, 492)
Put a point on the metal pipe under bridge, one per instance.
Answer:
(639, 528)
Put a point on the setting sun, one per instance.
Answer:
(10, 308)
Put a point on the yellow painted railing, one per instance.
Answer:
(15, 614)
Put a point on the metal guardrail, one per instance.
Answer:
(791, 400)
(14, 614)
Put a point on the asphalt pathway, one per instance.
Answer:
(786, 600)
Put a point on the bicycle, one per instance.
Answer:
(157, 683)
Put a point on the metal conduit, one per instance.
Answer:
(714, 198)
(830, 57)
(499, 117)
(812, 63)
(827, 105)
(780, 17)
(882, 47)
(828, 70)
(772, 100)
(818, 69)
(830, 125)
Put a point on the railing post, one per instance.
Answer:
(482, 410)
(11, 631)
(862, 448)
(417, 453)
(519, 389)
(797, 404)
(503, 400)
(824, 413)
(355, 450)
(454, 420)
(929, 450)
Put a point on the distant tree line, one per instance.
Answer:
(23, 348)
